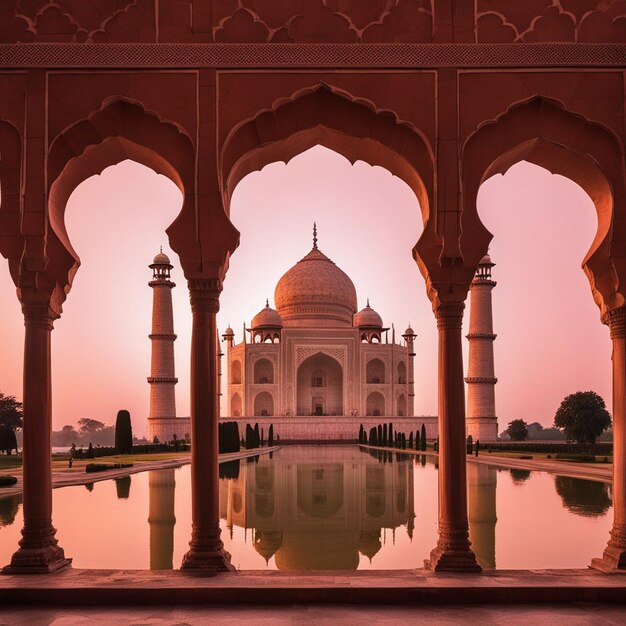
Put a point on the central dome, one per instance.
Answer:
(315, 292)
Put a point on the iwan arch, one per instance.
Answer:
(442, 93)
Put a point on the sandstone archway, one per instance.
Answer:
(320, 386)
(543, 132)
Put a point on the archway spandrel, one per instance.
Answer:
(484, 96)
(391, 91)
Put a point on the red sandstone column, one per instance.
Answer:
(206, 548)
(38, 552)
(453, 553)
(614, 557)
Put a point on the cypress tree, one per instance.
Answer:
(372, 440)
(90, 452)
(123, 433)
(379, 435)
(417, 439)
(270, 435)
(470, 444)
(249, 437)
(423, 438)
(361, 430)
(403, 441)
(390, 435)
(384, 434)
(257, 436)
(411, 440)
(477, 446)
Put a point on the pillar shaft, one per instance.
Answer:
(206, 548)
(38, 552)
(453, 551)
(614, 557)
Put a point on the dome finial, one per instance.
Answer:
(161, 249)
(368, 303)
(267, 302)
(315, 235)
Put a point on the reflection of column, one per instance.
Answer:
(39, 551)
(453, 551)
(481, 491)
(614, 556)
(162, 485)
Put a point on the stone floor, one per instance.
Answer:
(482, 615)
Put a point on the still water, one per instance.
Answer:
(333, 507)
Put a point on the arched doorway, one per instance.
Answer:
(375, 405)
(320, 386)
(375, 373)
(235, 405)
(235, 373)
(263, 372)
(401, 405)
(264, 404)
(401, 373)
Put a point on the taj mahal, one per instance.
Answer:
(316, 367)
(315, 355)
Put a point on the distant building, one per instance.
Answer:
(315, 355)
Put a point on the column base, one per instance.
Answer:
(209, 561)
(462, 561)
(614, 558)
(37, 561)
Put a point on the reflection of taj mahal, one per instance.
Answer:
(312, 512)
(316, 355)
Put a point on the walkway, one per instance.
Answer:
(77, 476)
(600, 472)
(73, 587)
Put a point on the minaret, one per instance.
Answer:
(409, 338)
(482, 422)
(162, 418)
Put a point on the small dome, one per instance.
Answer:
(229, 332)
(368, 318)
(486, 260)
(161, 259)
(267, 318)
(409, 331)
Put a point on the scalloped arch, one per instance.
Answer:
(120, 129)
(325, 115)
(544, 132)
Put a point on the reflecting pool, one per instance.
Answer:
(327, 507)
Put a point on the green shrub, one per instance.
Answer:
(123, 433)
(90, 468)
(7, 481)
(576, 458)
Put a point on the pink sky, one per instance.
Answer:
(550, 340)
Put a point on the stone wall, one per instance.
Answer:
(332, 428)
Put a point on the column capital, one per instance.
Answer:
(39, 315)
(615, 319)
(204, 293)
(449, 315)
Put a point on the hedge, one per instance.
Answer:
(90, 468)
(603, 448)
(7, 481)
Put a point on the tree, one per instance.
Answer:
(517, 430)
(10, 412)
(423, 438)
(582, 416)
(417, 440)
(88, 426)
(8, 440)
(123, 433)
(270, 436)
